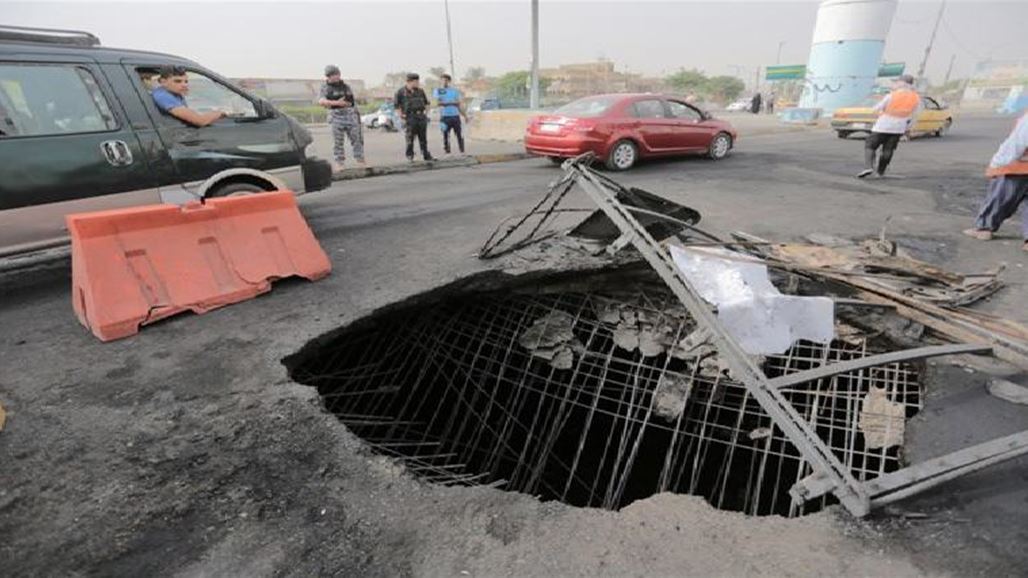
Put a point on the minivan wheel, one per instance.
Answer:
(842, 133)
(622, 155)
(720, 146)
(235, 190)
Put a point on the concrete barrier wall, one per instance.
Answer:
(502, 125)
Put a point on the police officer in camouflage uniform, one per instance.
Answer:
(412, 104)
(344, 117)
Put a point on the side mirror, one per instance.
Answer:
(264, 109)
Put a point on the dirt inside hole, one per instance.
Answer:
(595, 398)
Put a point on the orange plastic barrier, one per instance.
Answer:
(131, 267)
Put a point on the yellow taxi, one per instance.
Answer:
(934, 119)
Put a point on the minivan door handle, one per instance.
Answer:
(116, 152)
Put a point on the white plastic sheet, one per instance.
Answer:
(762, 320)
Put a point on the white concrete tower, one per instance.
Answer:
(849, 38)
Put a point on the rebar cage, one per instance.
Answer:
(452, 391)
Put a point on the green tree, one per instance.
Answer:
(686, 81)
(474, 73)
(723, 89)
(437, 71)
(514, 85)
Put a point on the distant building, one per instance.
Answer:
(570, 81)
(297, 91)
(997, 85)
(477, 88)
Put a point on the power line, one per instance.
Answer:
(957, 41)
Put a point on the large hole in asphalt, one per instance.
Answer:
(588, 393)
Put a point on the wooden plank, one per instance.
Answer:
(1006, 338)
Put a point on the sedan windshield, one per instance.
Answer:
(587, 107)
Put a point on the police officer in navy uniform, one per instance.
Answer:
(412, 105)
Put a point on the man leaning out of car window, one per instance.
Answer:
(170, 98)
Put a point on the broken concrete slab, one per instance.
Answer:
(1008, 391)
(882, 421)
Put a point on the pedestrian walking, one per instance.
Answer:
(1008, 186)
(770, 106)
(755, 103)
(896, 113)
(343, 116)
(412, 103)
(451, 109)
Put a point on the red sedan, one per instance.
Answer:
(622, 128)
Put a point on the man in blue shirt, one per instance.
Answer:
(450, 111)
(170, 98)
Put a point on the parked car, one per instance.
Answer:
(79, 131)
(384, 118)
(620, 129)
(493, 102)
(934, 118)
(741, 105)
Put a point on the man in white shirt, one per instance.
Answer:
(896, 113)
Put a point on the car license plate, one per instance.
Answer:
(549, 128)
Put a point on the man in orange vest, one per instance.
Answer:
(1008, 186)
(896, 114)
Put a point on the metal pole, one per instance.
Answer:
(949, 70)
(533, 96)
(928, 49)
(449, 37)
(778, 59)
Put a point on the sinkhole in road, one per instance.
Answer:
(591, 393)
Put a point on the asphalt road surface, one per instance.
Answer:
(188, 450)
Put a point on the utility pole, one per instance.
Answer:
(931, 41)
(949, 70)
(778, 59)
(449, 37)
(533, 96)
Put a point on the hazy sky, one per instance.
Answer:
(370, 38)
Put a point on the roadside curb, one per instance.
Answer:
(470, 161)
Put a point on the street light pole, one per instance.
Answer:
(928, 49)
(533, 96)
(778, 59)
(449, 37)
(949, 70)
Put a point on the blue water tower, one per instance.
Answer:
(849, 38)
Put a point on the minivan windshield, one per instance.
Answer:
(587, 107)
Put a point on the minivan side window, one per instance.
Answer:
(205, 95)
(47, 99)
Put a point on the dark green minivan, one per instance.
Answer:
(79, 131)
